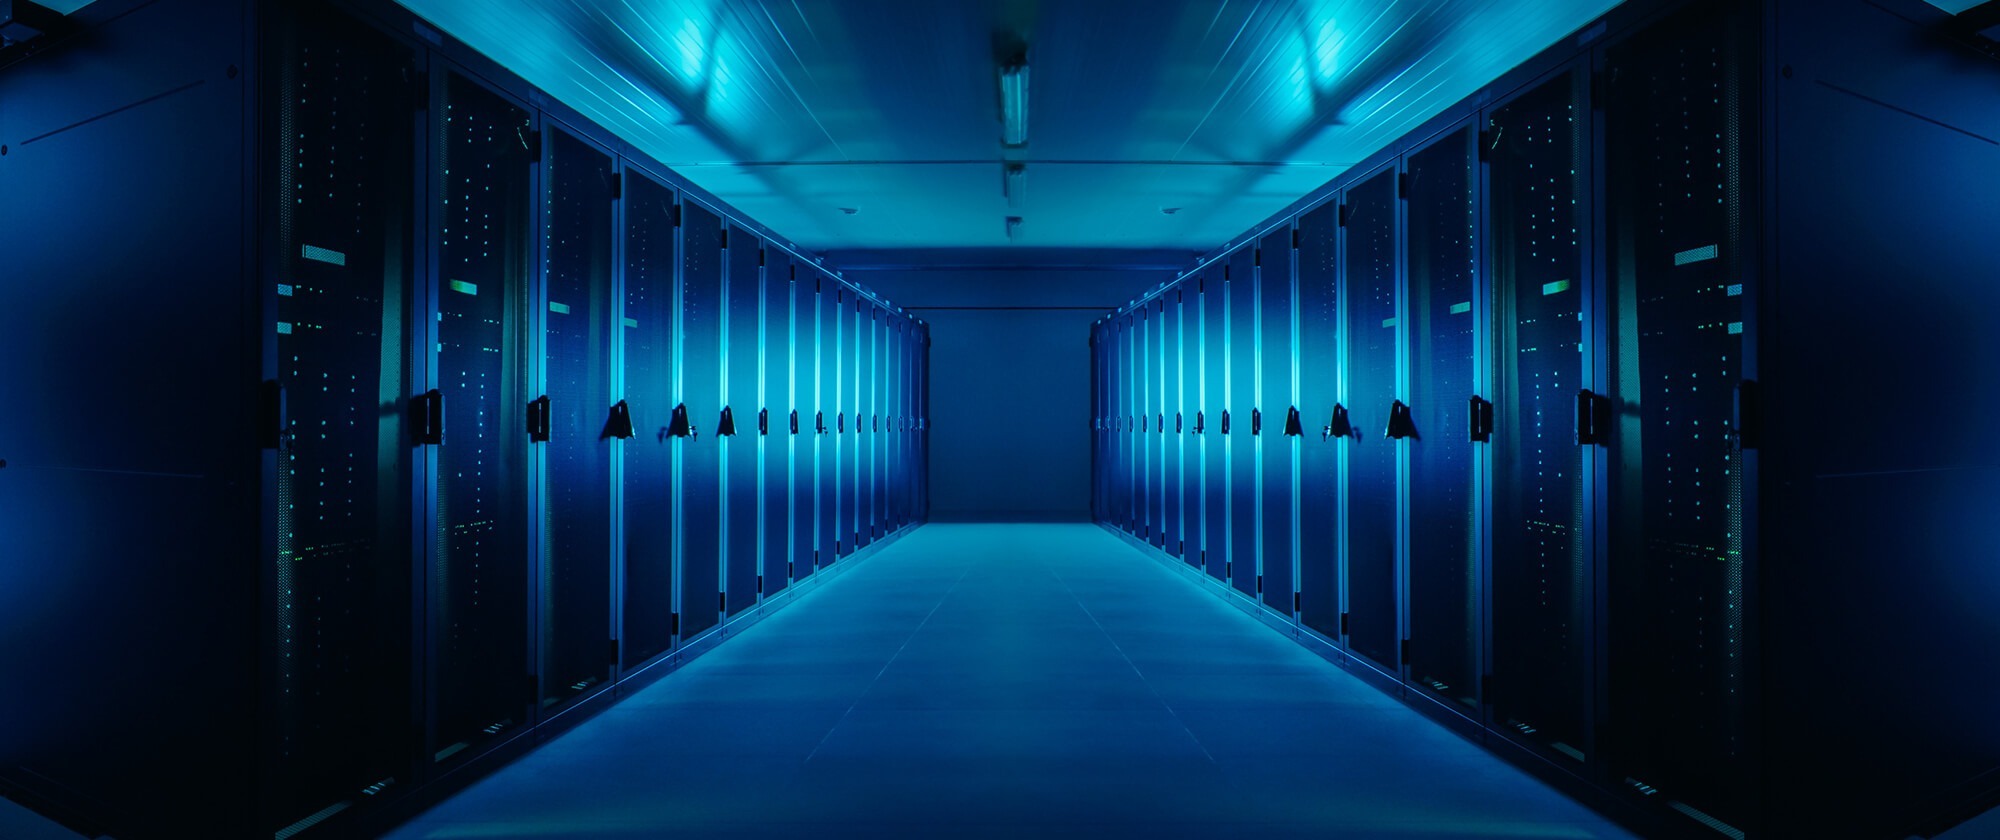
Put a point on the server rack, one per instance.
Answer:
(739, 437)
(1572, 349)
(399, 457)
(651, 265)
(1275, 420)
(1240, 419)
(777, 424)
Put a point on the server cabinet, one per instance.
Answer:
(776, 424)
(878, 443)
(1374, 333)
(1121, 423)
(1441, 246)
(743, 254)
(343, 189)
(804, 362)
(482, 575)
(832, 301)
(848, 423)
(1188, 422)
(1157, 437)
(868, 321)
(1143, 373)
(699, 447)
(1241, 421)
(1542, 557)
(578, 642)
(1209, 422)
(1172, 428)
(1278, 437)
(648, 462)
(1320, 411)
(1679, 127)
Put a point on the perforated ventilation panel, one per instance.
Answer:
(1679, 157)
(649, 395)
(1373, 331)
(576, 574)
(1541, 579)
(480, 577)
(342, 170)
(1443, 554)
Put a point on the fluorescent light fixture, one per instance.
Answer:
(1014, 104)
(1014, 184)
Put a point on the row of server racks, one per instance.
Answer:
(1544, 418)
(388, 417)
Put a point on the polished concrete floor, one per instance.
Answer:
(1009, 680)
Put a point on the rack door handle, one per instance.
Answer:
(538, 419)
(795, 421)
(1593, 417)
(1294, 425)
(819, 422)
(1401, 424)
(427, 417)
(725, 426)
(1479, 419)
(1200, 422)
(763, 421)
(679, 426)
(1340, 426)
(619, 425)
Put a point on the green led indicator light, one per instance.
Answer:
(559, 308)
(1557, 287)
(1388, 322)
(1461, 308)
(463, 287)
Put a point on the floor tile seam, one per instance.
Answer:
(1135, 669)
(885, 666)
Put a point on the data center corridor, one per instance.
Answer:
(1009, 680)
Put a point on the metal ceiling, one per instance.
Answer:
(1154, 123)
(1221, 111)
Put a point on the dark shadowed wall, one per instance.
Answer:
(1010, 369)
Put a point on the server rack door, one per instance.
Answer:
(343, 191)
(868, 325)
(878, 420)
(1373, 332)
(924, 405)
(485, 363)
(1442, 249)
(650, 263)
(774, 435)
(742, 366)
(1115, 386)
(1215, 401)
(1157, 439)
(804, 489)
(1240, 425)
(1541, 579)
(1680, 252)
(1193, 454)
(1131, 443)
(826, 389)
(1099, 445)
(1148, 371)
(1319, 382)
(577, 651)
(900, 457)
(849, 419)
(842, 383)
(1278, 447)
(700, 467)
(1173, 479)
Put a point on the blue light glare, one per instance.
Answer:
(1225, 112)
